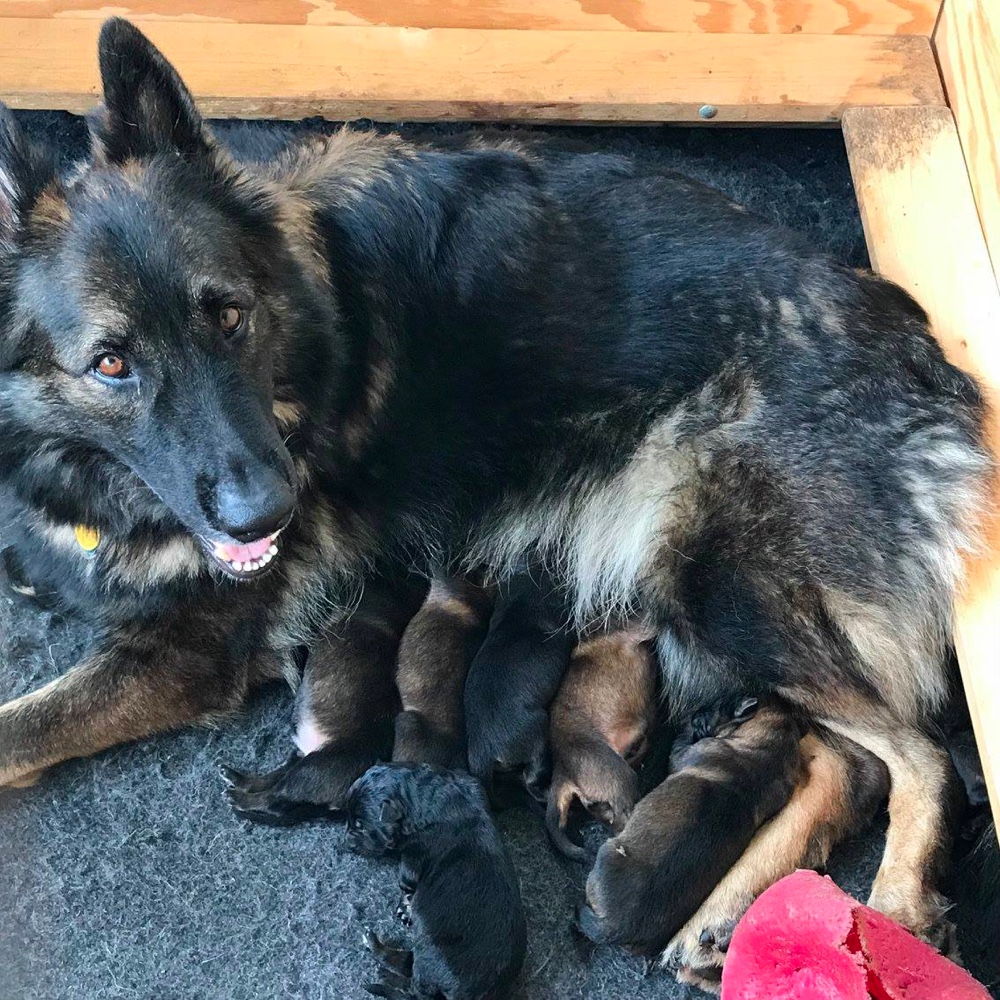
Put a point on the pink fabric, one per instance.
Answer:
(805, 939)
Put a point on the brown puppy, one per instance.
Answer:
(599, 723)
(737, 765)
(434, 656)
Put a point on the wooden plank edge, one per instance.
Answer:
(825, 17)
(392, 74)
(923, 232)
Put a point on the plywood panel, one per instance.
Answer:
(923, 232)
(968, 46)
(280, 71)
(874, 17)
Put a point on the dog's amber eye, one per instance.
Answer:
(230, 319)
(111, 366)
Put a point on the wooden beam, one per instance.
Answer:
(923, 232)
(396, 74)
(968, 46)
(823, 17)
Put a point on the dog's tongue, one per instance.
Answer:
(243, 553)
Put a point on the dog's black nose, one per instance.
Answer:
(256, 507)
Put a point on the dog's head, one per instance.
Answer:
(147, 305)
(376, 811)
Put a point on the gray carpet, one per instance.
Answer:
(127, 876)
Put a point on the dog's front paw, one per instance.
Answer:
(697, 952)
(925, 915)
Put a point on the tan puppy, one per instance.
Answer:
(433, 662)
(598, 728)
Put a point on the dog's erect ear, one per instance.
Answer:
(24, 172)
(147, 109)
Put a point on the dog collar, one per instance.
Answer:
(87, 538)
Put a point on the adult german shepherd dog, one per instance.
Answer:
(237, 393)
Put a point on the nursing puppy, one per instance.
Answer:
(736, 765)
(434, 657)
(514, 677)
(600, 723)
(460, 892)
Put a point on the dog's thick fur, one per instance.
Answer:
(466, 356)
(736, 768)
(461, 899)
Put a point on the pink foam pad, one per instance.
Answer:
(805, 939)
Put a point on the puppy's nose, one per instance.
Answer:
(255, 506)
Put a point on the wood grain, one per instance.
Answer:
(968, 46)
(872, 17)
(923, 232)
(393, 74)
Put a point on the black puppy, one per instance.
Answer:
(514, 677)
(460, 892)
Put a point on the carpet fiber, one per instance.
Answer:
(127, 876)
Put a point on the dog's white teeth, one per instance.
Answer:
(238, 566)
(266, 558)
(272, 551)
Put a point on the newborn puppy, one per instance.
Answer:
(434, 657)
(599, 726)
(460, 890)
(513, 679)
(736, 766)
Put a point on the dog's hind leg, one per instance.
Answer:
(141, 680)
(842, 788)
(917, 840)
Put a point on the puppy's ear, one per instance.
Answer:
(746, 709)
(24, 171)
(390, 821)
(147, 109)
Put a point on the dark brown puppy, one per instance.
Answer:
(598, 730)
(736, 766)
(434, 656)
(349, 685)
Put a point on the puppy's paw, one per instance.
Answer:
(404, 912)
(261, 798)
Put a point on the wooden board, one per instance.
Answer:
(923, 232)
(871, 17)
(393, 74)
(968, 46)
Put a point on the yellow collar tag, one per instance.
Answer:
(87, 538)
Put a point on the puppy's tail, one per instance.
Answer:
(556, 816)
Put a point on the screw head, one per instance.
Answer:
(707, 111)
